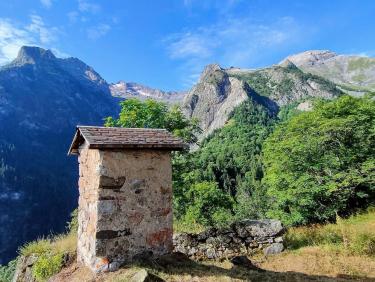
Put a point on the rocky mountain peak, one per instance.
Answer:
(33, 55)
(287, 64)
(209, 70)
(311, 57)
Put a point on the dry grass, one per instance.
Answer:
(352, 236)
(332, 252)
(66, 243)
(321, 261)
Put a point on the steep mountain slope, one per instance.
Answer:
(219, 91)
(354, 73)
(135, 90)
(42, 99)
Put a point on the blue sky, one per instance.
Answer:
(166, 43)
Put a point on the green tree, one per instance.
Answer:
(152, 114)
(208, 205)
(322, 163)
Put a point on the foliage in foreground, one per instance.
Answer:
(152, 114)
(322, 163)
(7, 271)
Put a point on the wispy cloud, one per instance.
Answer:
(38, 27)
(231, 42)
(84, 16)
(13, 37)
(87, 6)
(46, 3)
(98, 31)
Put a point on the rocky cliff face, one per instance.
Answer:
(353, 73)
(135, 90)
(42, 99)
(219, 91)
(213, 98)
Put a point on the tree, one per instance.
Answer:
(208, 205)
(322, 163)
(152, 114)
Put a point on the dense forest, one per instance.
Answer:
(300, 167)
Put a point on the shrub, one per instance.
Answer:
(46, 266)
(7, 271)
(208, 205)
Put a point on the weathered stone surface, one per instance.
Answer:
(241, 238)
(144, 276)
(24, 269)
(106, 182)
(274, 249)
(124, 209)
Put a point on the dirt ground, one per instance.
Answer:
(307, 264)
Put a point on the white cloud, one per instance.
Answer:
(46, 34)
(231, 42)
(46, 3)
(13, 36)
(98, 31)
(87, 6)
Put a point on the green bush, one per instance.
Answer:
(208, 205)
(7, 271)
(46, 266)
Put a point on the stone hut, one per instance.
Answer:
(125, 194)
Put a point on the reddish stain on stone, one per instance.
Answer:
(135, 217)
(163, 212)
(161, 237)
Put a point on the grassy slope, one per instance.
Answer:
(332, 252)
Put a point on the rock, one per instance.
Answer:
(259, 228)
(144, 276)
(24, 269)
(113, 266)
(279, 239)
(273, 249)
(243, 261)
(240, 239)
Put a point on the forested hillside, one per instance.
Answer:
(300, 167)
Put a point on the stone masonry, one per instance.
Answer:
(240, 238)
(125, 202)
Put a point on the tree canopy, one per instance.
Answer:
(322, 163)
(153, 114)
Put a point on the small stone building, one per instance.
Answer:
(125, 193)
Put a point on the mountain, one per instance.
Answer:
(354, 74)
(42, 99)
(135, 90)
(219, 91)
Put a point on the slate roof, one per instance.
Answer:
(124, 138)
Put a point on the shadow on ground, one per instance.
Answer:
(178, 265)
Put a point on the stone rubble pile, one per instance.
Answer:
(241, 238)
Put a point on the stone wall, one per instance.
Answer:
(87, 205)
(241, 238)
(133, 209)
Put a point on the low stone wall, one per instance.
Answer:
(241, 238)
